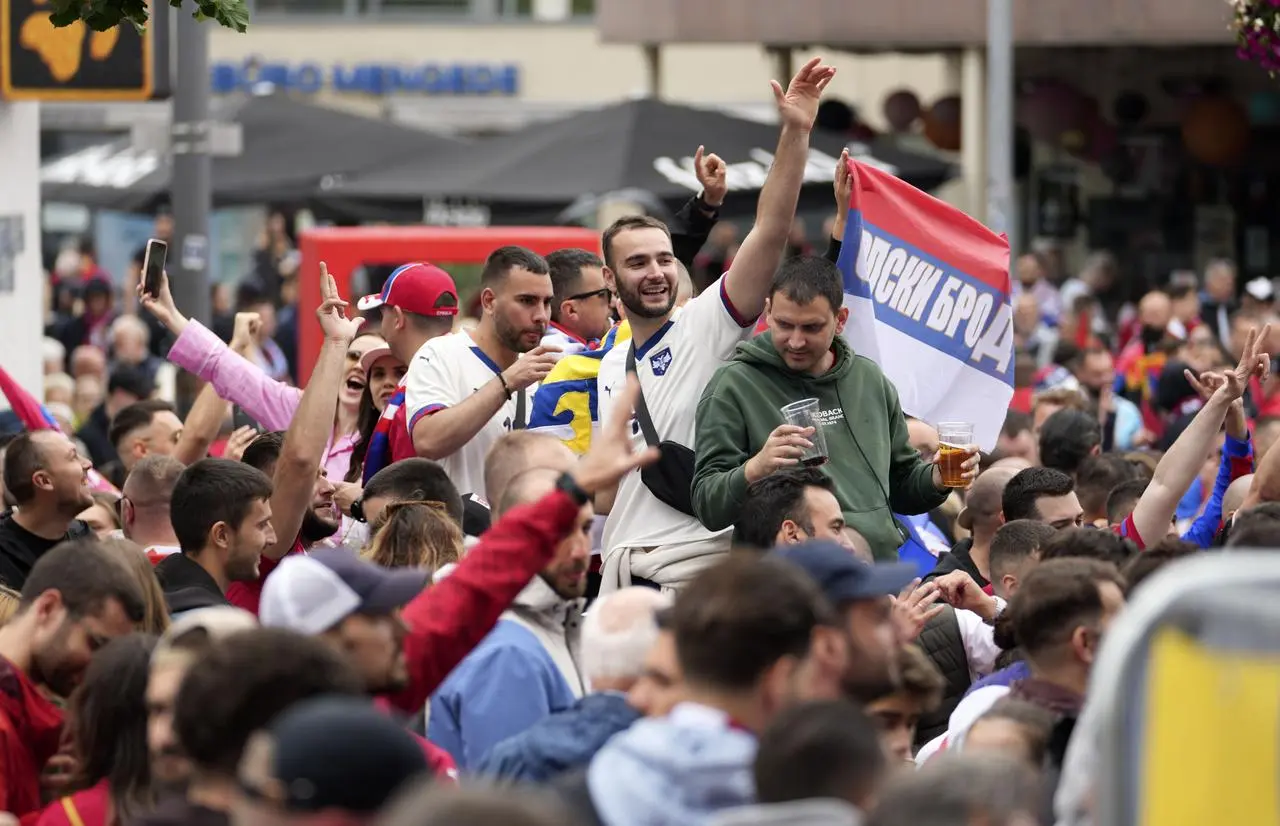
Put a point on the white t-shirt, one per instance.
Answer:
(445, 372)
(673, 366)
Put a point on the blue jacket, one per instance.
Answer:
(1237, 461)
(673, 771)
(524, 670)
(560, 743)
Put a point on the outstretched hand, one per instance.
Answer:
(332, 312)
(713, 175)
(1254, 361)
(161, 306)
(798, 104)
(844, 185)
(612, 455)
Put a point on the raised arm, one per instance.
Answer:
(691, 226)
(748, 279)
(200, 429)
(304, 443)
(1182, 462)
(196, 349)
(844, 195)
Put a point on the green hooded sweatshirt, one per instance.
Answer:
(875, 469)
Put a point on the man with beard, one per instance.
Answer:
(527, 668)
(674, 355)
(862, 595)
(354, 606)
(49, 481)
(465, 390)
(76, 599)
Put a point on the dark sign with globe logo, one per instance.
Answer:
(40, 62)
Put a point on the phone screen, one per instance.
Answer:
(153, 266)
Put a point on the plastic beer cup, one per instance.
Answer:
(952, 453)
(804, 413)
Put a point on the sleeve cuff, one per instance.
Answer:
(194, 347)
(738, 318)
(1239, 448)
(423, 413)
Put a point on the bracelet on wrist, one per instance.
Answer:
(506, 388)
(570, 486)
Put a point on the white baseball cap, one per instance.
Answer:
(312, 593)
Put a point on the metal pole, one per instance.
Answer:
(1001, 206)
(188, 263)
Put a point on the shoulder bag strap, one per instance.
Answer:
(642, 410)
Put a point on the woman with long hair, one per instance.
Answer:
(383, 372)
(415, 534)
(155, 618)
(107, 723)
(103, 516)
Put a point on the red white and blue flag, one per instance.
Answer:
(928, 293)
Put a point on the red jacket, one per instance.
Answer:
(248, 595)
(91, 807)
(451, 617)
(30, 730)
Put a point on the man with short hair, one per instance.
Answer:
(327, 760)
(660, 686)
(616, 636)
(1045, 495)
(1059, 616)
(410, 479)
(419, 303)
(529, 666)
(789, 507)
(144, 505)
(48, 480)
(674, 354)
(582, 307)
(466, 389)
(898, 713)
(1067, 438)
(1014, 549)
(982, 516)
(145, 428)
(77, 598)
(125, 386)
(742, 436)
(236, 689)
(221, 513)
(754, 635)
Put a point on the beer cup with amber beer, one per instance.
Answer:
(952, 453)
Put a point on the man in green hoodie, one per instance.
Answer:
(742, 437)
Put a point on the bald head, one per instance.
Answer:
(984, 501)
(148, 492)
(1155, 310)
(1234, 497)
(617, 633)
(520, 451)
(1014, 463)
(527, 487)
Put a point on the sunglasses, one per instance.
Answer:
(603, 292)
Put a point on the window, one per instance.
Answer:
(524, 8)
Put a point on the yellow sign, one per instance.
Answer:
(1210, 742)
(40, 62)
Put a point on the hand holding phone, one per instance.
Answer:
(153, 267)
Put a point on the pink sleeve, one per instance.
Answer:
(270, 402)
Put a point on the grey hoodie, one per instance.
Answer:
(673, 771)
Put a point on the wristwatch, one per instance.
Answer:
(569, 485)
(357, 510)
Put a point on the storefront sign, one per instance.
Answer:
(442, 79)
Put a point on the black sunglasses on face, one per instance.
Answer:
(603, 292)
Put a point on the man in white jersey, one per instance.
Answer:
(581, 312)
(676, 353)
(465, 390)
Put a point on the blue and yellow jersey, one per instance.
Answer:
(567, 404)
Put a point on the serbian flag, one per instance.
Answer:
(35, 416)
(928, 290)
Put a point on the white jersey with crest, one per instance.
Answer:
(674, 366)
(445, 372)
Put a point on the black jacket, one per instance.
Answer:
(958, 559)
(95, 433)
(186, 585)
(942, 644)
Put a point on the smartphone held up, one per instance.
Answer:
(153, 267)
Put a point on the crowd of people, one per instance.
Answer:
(572, 563)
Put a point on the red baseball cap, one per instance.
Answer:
(416, 288)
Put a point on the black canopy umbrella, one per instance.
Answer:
(644, 145)
(289, 149)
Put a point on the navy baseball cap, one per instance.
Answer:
(842, 576)
(311, 593)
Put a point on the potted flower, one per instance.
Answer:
(1256, 24)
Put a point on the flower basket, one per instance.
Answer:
(1256, 24)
